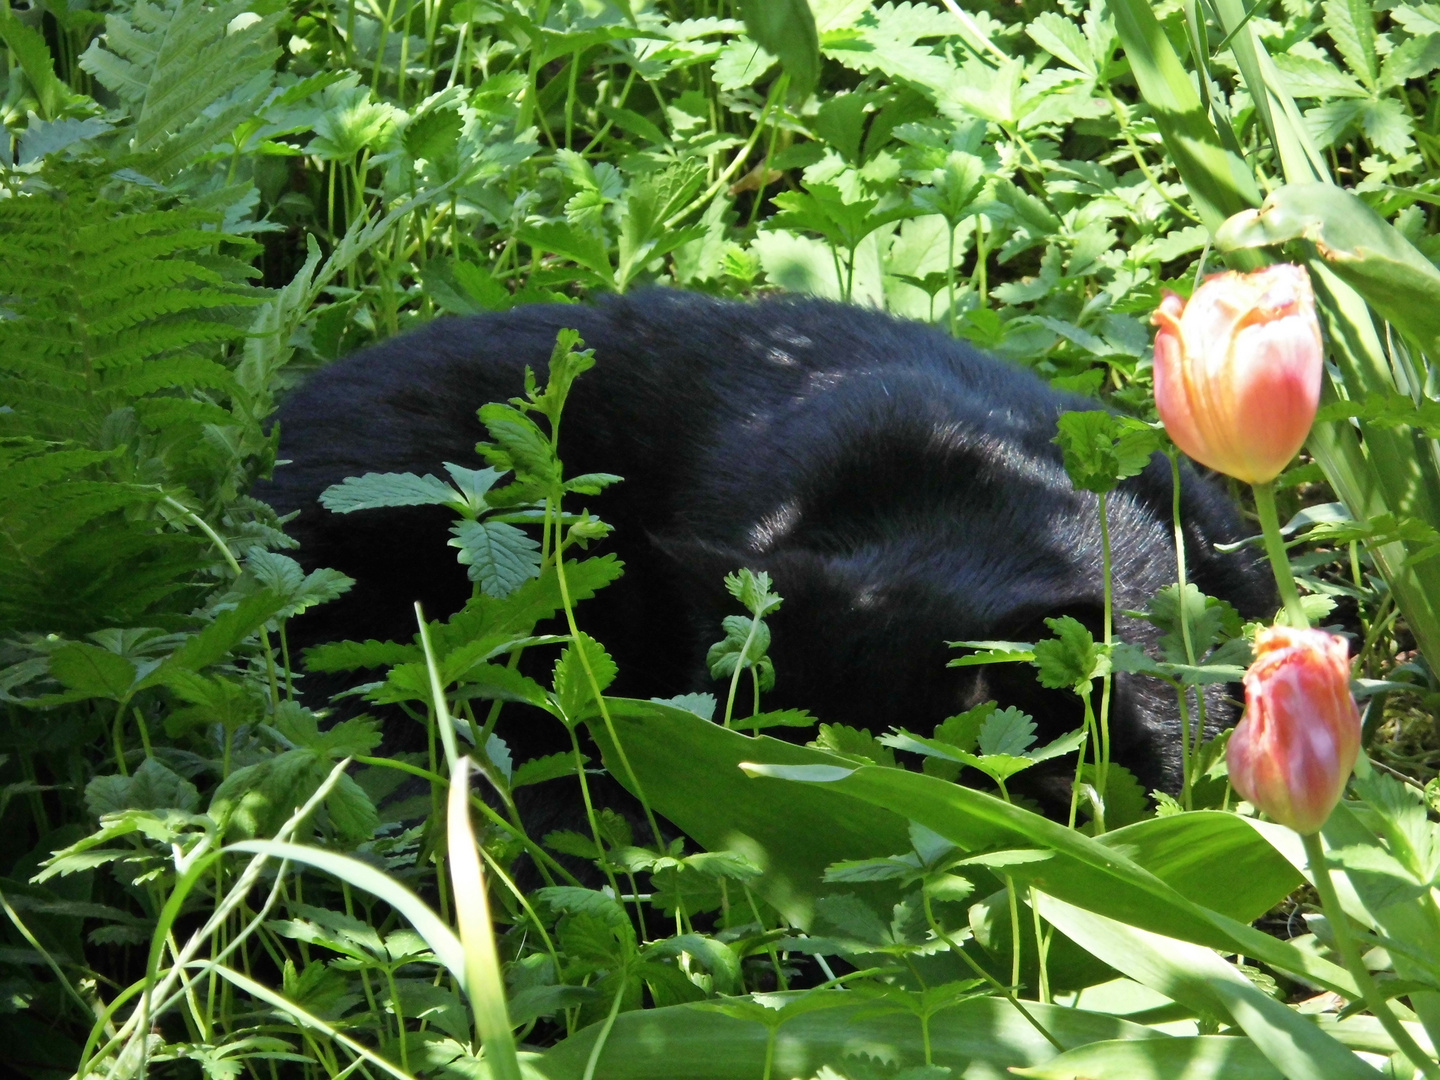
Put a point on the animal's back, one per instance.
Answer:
(902, 488)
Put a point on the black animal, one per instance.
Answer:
(901, 488)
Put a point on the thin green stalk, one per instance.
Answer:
(780, 979)
(950, 277)
(982, 259)
(1275, 551)
(590, 812)
(1102, 769)
(600, 697)
(739, 666)
(604, 1036)
(1014, 929)
(1355, 962)
(1042, 950)
(1187, 758)
(995, 983)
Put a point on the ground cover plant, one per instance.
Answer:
(203, 876)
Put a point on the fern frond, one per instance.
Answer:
(171, 62)
(115, 367)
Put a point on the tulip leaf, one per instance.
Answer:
(1189, 876)
(1195, 1057)
(690, 770)
(1195, 976)
(1360, 246)
(729, 1039)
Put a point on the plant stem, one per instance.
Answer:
(1004, 991)
(1275, 550)
(1355, 962)
(1188, 756)
(1102, 771)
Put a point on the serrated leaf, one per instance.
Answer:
(538, 770)
(1006, 731)
(1351, 27)
(375, 491)
(500, 557)
(1070, 659)
(351, 655)
(1310, 77)
(573, 690)
(853, 743)
(1062, 39)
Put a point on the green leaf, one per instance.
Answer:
(1071, 658)
(1310, 77)
(1101, 449)
(500, 557)
(753, 591)
(29, 48)
(350, 655)
(1360, 246)
(216, 641)
(374, 491)
(538, 770)
(573, 693)
(187, 74)
(439, 937)
(1062, 39)
(285, 577)
(688, 768)
(786, 28)
(92, 670)
(1006, 731)
(1195, 976)
(1169, 897)
(1351, 26)
(728, 1039)
(1195, 1057)
(854, 743)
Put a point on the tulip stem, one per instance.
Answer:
(1279, 560)
(1355, 962)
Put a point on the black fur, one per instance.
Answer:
(901, 488)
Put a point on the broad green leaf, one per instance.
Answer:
(689, 769)
(1194, 1057)
(981, 1037)
(1210, 908)
(786, 28)
(1195, 976)
(1361, 247)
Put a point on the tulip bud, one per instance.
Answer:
(1294, 749)
(1237, 370)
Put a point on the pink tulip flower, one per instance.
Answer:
(1237, 370)
(1293, 751)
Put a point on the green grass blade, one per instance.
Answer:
(1219, 182)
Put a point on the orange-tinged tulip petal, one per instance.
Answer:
(1293, 751)
(1238, 368)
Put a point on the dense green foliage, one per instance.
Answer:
(199, 202)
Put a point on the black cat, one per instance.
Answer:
(901, 488)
